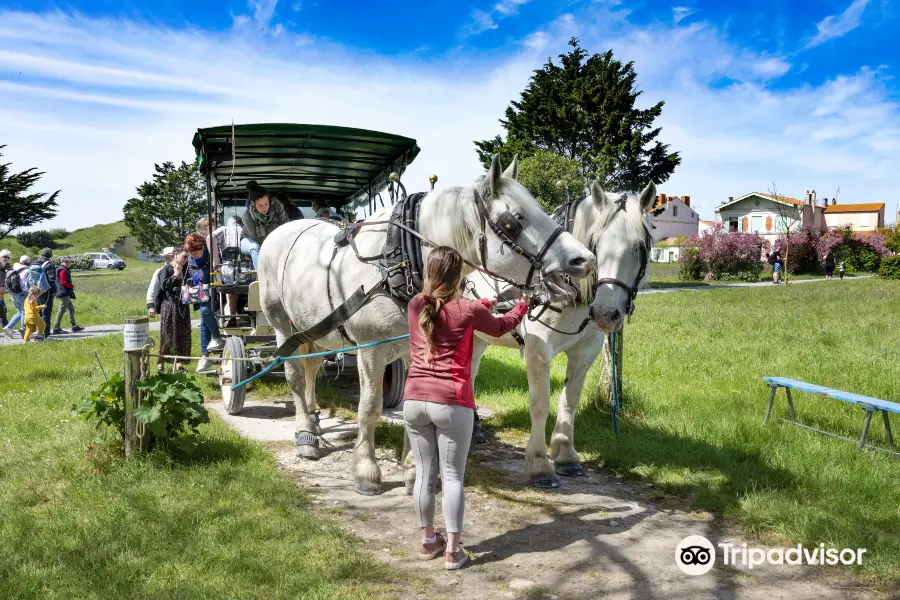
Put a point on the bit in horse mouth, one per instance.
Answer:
(559, 287)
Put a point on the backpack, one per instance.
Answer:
(14, 281)
(37, 276)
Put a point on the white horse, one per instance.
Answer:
(613, 226)
(303, 277)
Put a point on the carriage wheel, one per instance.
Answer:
(231, 372)
(394, 382)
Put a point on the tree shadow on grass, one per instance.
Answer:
(498, 376)
(711, 477)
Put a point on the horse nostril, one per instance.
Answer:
(613, 315)
(578, 263)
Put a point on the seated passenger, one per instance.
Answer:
(260, 219)
(290, 209)
(323, 211)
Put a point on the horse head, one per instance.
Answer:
(522, 242)
(614, 227)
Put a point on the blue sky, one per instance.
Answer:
(802, 94)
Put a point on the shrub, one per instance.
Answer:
(890, 267)
(859, 251)
(172, 408)
(721, 253)
(80, 262)
(690, 265)
(41, 239)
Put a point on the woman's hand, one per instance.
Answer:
(520, 309)
(488, 303)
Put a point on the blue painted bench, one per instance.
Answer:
(870, 405)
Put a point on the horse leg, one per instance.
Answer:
(537, 465)
(311, 368)
(306, 422)
(370, 364)
(562, 448)
(480, 347)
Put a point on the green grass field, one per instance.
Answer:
(78, 521)
(104, 297)
(694, 402)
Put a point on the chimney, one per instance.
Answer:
(833, 201)
(686, 200)
(731, 198)
(824, 201)
(662, 199)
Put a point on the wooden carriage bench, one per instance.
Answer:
(870, 405)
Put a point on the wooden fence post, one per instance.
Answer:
(136, 334)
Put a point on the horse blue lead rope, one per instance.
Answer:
(280, 359)
(617, 400)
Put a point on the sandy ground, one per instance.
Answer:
(594, 537)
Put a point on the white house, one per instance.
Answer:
(673, 217)
(705, 226)
(770, 215)
(861, 217)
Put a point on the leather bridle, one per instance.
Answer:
(508, 229)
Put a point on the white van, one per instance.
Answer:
(106, 260)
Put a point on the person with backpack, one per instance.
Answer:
(16, 286)
(43, 265)
(829, 265)
(65, 291)
(4, 269)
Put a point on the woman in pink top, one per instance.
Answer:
(439, 402)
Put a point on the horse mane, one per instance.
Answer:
(462, 228)
(588, 226)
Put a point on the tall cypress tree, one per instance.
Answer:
(584, 108)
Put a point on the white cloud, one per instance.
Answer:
(679, 13)
(771, 67)
(481, 21)
(98, 102)
(832, 26)
(509, 7)
(297, 6)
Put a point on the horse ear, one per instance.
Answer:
(648, 197)
(512, 171)
(598, 195)
(494, 175)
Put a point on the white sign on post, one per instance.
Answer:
(137, 335)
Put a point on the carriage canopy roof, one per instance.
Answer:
(336, 164)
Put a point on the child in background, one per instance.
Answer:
(33, 319)
(841, 270)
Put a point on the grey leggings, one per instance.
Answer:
(65, 304)
(439, 435)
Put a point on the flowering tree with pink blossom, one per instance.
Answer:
(715, 254)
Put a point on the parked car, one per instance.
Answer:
(106, 260)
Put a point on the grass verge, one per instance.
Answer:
(81, 522)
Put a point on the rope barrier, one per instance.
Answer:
(617, 400)
(280, 359)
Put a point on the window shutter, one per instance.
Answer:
(744, 224)
(769, 223)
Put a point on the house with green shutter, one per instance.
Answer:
(770, 215)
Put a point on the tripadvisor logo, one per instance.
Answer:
(696, 555)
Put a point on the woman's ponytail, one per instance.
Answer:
(442, 274)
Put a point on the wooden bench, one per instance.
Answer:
(870, 405)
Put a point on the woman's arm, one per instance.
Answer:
(249, 228)
(485, 322)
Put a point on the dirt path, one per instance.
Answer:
(595, 537)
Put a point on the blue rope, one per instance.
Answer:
(617, 400)
(280, 359)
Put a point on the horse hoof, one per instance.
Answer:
(307, 452)
(575, 470)
(546, 482)
(367, 488)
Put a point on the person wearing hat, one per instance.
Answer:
(17, 286)
(65, 291)
(156, 281)
(46, 299)
(260, 219)
(4, 269)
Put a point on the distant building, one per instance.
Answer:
(861, 217)
(706, 226)
(770, 215)
(673, 217)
